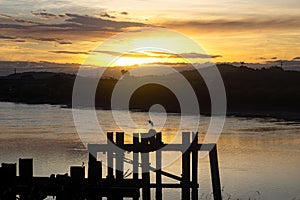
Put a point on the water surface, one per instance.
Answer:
(259, 158)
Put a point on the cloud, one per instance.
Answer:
(13, 26)
(158, 54)
(44, 14)
(67, 24)
(113, 53)
(47, 39)
(43, 39)
(124, 13)
(89, 23)
(70, 52)
(296, 58)
(262, 58)
(65, 42)
(7, 37)
(18, 20)
(182, 55)
(198, 55)
(274, 58)
(105, 14)
(19, 40)
(287, 22)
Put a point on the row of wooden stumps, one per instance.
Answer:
(115, 186)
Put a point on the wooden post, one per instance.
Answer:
(158, 175)
(25, 168)
(77, 181)
(185, 193)
(158, 138)
(119, 161)
(77, 173)
(26, 174)
(110, 156)
(135, 159)
(195, 168)
(145, 170)
(119, 157)
(8, 180)
(215, 176)
(94, 170)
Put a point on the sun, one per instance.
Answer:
(130, 61)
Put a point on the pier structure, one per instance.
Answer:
(117, 184)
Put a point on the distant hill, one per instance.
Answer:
(269, 92)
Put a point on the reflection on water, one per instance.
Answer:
(259, 158)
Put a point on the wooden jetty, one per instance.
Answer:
(116, 185)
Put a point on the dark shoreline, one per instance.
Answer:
(266, 93)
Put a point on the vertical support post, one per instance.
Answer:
(8, 180)
(110, 156)
(120, 156)
(158, 175)
(135, 159)
(185, 193)
(25, 168)
(25, 173)
(94, 170)
(158, 167)
(77, 181)
(215, 175)
(158, 138)
(77, 173)
(119, 161)
(145, 170)
(195, 168)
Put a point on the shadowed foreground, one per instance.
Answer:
(119, 184)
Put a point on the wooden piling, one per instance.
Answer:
(135, 157)
(119, 156)
(145, 170)
(215, 176)
(119, 161)
(94, 170)
(25, 168)
(185, 193)
(158, 175)
(77, 173)
(195, 168)
(8, 180)
(135, 161)
(110, 156)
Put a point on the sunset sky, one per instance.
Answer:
(65, 31)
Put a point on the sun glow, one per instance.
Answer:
(147, 46)
(127, 61)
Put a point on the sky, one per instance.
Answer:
(65, 31)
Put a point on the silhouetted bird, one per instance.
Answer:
(151, 123)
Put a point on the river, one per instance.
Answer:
(258, 158)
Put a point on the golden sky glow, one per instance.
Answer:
(67, 31)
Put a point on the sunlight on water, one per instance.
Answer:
(259, 158)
